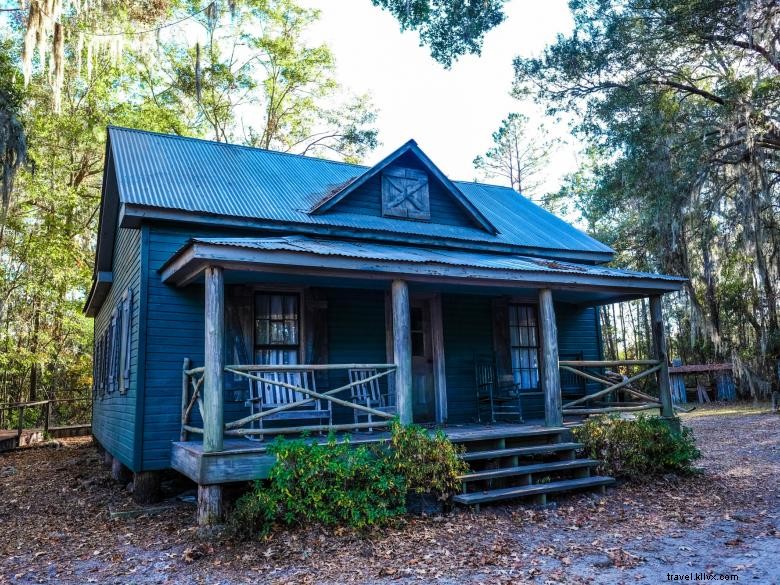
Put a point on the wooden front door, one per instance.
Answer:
(423, 395)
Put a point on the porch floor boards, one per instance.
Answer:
(461, 433)
(245, 460)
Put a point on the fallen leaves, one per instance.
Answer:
(193, 553)
(623, 559)
(55, 515)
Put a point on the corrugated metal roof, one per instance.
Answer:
(419, 255)
(188, 174)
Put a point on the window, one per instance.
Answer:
(524, 345)
(111, 363)
(277, 328)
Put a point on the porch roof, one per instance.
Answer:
(305, 255)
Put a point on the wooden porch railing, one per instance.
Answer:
(192, 389)
(47, 414)
(579, 367)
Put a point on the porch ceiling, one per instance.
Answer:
(304, 256)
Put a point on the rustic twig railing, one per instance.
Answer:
(647, 402)
(192, 379)
(192, 382)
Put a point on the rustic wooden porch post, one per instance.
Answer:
(214, 361)
(660, 353)
(210, 496)
(439, 366)
(402, 350)
(550, 375)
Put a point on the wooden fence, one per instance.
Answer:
(596, 371)
(45, 416)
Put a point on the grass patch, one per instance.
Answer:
(728, 409)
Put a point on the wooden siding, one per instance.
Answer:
(356, 334)
(468, 330)
(174, 330)
(113, 418)
(578, 331)
(367, 200)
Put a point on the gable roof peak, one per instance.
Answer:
(410, 146)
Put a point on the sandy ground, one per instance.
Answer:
(56, 527)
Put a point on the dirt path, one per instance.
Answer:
(55, 527)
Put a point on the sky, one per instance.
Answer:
(450, 113)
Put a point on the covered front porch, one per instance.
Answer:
(304, 336)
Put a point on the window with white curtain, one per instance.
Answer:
(277, 328)
(524, 345)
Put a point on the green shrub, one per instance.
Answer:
(330, 484)
(339, 484)
(254, 513)
(635, 448)
(429, 463)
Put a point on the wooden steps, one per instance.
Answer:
(533, 490)
(521, 451)
(538, 468)
(523, 463)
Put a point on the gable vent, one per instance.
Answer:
(405, 194)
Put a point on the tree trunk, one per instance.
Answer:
(33, 351)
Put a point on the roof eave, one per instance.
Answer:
(189, 261)
(101, 285)
(134, 215)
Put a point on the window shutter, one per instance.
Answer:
(127, 321)
(96, 364)
(102, 364)
(114, 352)
(117, 347)
(107, 359)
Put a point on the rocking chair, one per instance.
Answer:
(501, 400)
(266, 395)
(368, 393)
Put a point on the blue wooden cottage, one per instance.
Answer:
(240, 293)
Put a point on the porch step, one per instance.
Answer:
(532, 490)
(529, 469)
(521, 451)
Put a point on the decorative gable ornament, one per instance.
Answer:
(405, 191)
(405, 194)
